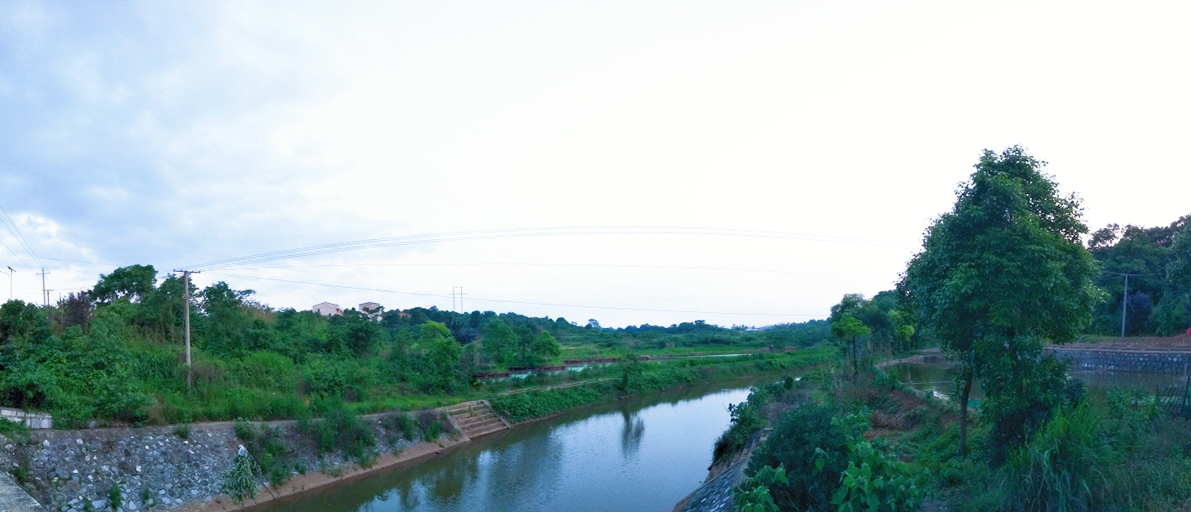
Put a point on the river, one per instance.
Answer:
(643, 454)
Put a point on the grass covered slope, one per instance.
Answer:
(629, 378)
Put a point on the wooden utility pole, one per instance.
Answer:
(186, 321)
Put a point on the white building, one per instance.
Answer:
(371, 310)
(327, 309)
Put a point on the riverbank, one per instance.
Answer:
(172, 466)
(537, 404)
(305, 484)
(181, 465)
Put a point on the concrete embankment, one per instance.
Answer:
(1140, 361)
(715, 495)
(172, 467)
(14, 499)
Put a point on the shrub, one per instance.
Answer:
(433, 431)
(408, 428)
(875, 479)
(801, 438)
(536, 404)
(20, 472)
(182, 431)
(244, 430)
(114, 496)
(752, 495)
(342, 429)
(15, 431)
(239, 481)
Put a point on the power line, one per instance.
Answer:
(552, 304)
(525, 233)
(603, 265)
(20, 236)
(14, 253)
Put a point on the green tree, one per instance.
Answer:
(850, 329)
(545, 347)
(357, 334)
(630, 371)
(499, 342)
(1006, 262)
(225, 320)
(133, 282)
(443, 356)
(22, 320)
(161, 310)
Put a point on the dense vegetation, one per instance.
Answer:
(999, 277)
(627, 379)
(115, 353)
(1158, 260)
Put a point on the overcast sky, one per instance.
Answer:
(179, 133)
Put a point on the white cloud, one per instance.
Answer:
(175, 133)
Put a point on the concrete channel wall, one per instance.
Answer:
(1125, 361)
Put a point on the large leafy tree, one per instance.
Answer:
(133, 282)
(849, 330)
(499, 344)
(1003, 271)
(443, 354)
(545, 348)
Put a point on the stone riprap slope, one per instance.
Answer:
(67, 469)
(70, 468)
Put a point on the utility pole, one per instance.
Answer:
(45, 296)
(186, 321)
(1125, 295)
(460, 306)
(1124, 304)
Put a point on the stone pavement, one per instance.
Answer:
(716, 494)
(14, 499)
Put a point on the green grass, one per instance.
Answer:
(653, 377)
(15, 431)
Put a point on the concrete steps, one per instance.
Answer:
(476, 418)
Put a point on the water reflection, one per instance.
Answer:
(598, 459)
(630, 436)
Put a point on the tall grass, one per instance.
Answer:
(1061, 468)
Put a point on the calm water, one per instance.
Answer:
(639, 455)
(937, 378)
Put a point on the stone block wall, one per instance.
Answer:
(1125, 361)
(34, 420)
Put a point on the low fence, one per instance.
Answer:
(34, 420)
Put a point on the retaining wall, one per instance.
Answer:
(1125, 361)
(34, 420)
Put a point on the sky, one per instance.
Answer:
(801, 147)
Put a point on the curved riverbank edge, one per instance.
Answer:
(314, 482)
(412, 456)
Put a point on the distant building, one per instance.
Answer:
(371, 310)
(327, 309)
